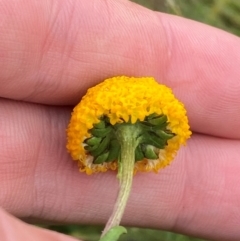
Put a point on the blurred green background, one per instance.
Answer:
(224, 14)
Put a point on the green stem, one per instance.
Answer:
(127, 137)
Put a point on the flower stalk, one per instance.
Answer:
(127, 137)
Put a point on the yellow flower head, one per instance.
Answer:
(136, 101)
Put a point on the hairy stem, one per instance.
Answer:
(127, 137)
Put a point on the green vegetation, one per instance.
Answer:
(224, 14)
(92, 233)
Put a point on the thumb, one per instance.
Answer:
(12, 229)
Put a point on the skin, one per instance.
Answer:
(50, 53)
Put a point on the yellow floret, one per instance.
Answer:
(124, 99)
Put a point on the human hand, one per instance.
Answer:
(51, 52)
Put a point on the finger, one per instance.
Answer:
(194, 195)
(52, 51)
(12, 229)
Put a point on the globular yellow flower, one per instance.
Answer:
(160, 118)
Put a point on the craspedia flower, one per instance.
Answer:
(152, 107)
(129, 124)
